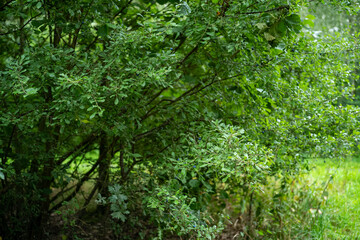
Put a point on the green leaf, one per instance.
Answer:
(167, 1)
(37, 23)
(281, 28)
(118, 215)
(184, 8)
(308, 22)
(293, 22)
(310, 17)
(293, 19)
(92, 115)
(194, 183)
(31, 91)
(261, 26)
(268, 36)
(103, 30)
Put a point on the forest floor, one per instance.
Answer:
(338, 218)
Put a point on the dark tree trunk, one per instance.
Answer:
(104, 168)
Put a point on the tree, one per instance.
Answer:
(174, 98)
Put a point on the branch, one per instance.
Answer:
(150, 113)
(190, 92)
(121, 10)
(207, 85)
(2, 8)
(68, 44)
(182, 40)
(73, 44)
(139, 136)
(163, 149)
(323, 192)
(151, 155)
(265, 11)
(91, 195)
(121, 161)
(224, 7)
(153, 99)
(84, 143)
(8, 146)
(194, 49)
(184, 94)
(156, 95)
(117, 14)
(1, 34)
(250, 6)
(61, 193)
(78, 186)
(188, 55)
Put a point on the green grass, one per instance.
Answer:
(340, 218)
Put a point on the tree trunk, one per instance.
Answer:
(104, 168)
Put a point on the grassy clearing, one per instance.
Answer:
(340, 218)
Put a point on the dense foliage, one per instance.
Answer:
(172, 110)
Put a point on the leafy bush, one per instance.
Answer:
(176, 105)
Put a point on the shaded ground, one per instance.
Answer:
(72, 228)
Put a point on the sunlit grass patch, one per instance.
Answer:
(341, 213)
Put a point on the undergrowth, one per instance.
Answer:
(320, 204)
